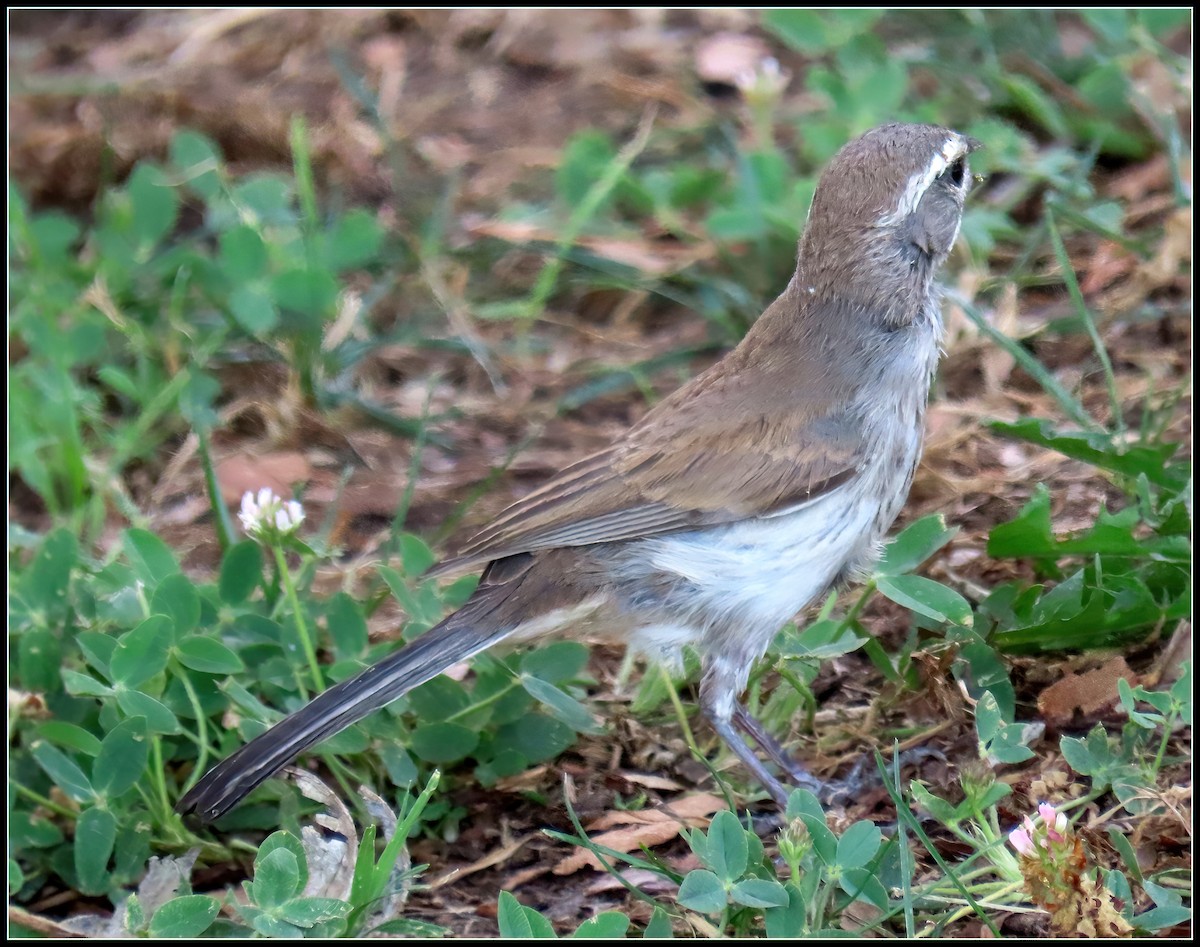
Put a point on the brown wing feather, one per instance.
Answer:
(768, 447)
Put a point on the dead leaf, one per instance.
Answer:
(647, 827)
(1083, 695)
(240, 473)
(495, 857)
(650, 781)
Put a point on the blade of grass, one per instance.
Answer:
(414, 468)
(548, 278)
(904, 816)
(1085, 316)
(305, 188)
(224, 523)
(1071, 406)
(906, 857)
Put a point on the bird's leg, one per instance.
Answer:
(795, 770)
(719, 706)
(827, 790)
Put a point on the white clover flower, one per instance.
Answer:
(267, 517)
(767, 81)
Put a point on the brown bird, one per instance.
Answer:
(735, 501)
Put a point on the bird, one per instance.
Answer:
(735, 501)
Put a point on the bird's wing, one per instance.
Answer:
(684, 466)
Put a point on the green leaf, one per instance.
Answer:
(241, 572)
(659, 927)
(184, 917)
(307, 912)
(584, 159)
(197, 397)
(985, 670)
(415, 554)
(276, 879)
(443, 742)
(253, 308)
(61, 733)
(804, 802)
(142, 653)
(27, 830)
(1161, 22)
(926, 597)
(702, 891)
(825, 843)
(45, 580)
(409, 927)
(199, 159)
(814, 32)
(155, 204)
(84, 685)
(1004, 742)
(1101, 449)
(858, 845)
(99, 648)
(39, 655)
(536, 737)
(55, 235)
(1156, 919)
(132, 851)
(556, 662)
(208, 655)
(176, 598)
(122, 759)
(1124, 847)
(309, 292)
(609, 925)
(789, 920)
(150, 557)
(517, 921)
(242, 256)
(347, 627)
(988, 719)
(759, 893)
(915, 543)
(1078, 755)
(822, 640)
(563, 706)
(95, 832)
(863, 884)
(439, 699)
(267, 196)
(354, 241)
(420, 604)
(159, 719)
(727, 852)
(285, 840)
(63, 771)
(270, 926)
(941, 810)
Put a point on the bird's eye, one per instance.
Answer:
(957, 172)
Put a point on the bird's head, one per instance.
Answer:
(884, 216)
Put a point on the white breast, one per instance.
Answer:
(763, 571)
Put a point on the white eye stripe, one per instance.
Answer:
(952, 149)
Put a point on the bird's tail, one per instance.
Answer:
(458, 637)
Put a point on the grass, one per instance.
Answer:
(132, 671)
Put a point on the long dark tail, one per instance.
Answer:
(455, 639)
